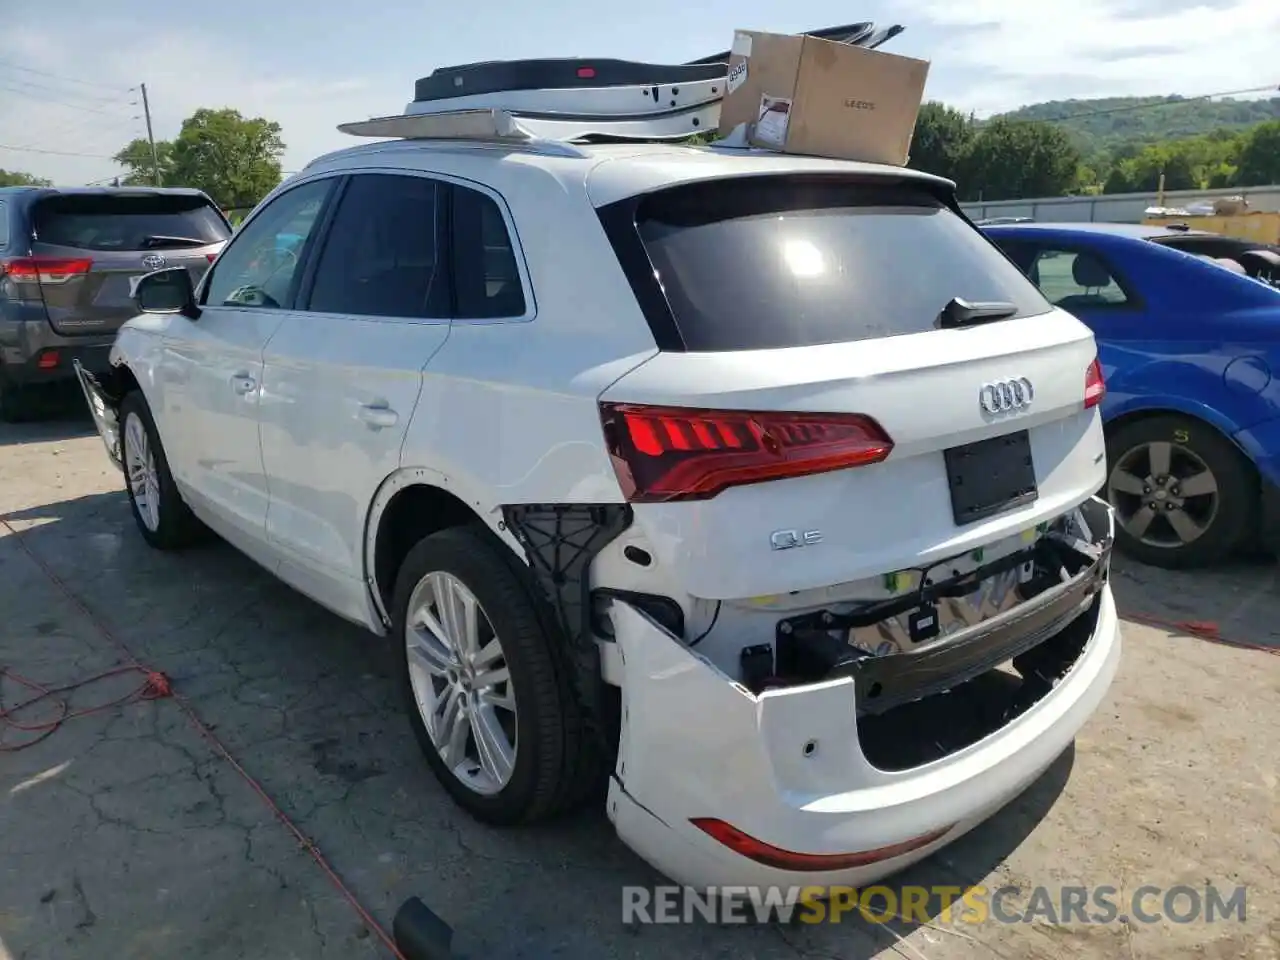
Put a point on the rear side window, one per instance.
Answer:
(4, 224)
(759, 263)
(1076, 279)
(381, 258)
(128, 223)
(486, 279)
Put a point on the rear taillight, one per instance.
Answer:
(1095, 388)
(211, 257)
(771, 856)
(44, 270)
(679, 453)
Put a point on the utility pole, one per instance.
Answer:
(155, 159)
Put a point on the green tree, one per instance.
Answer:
(136, 160)
(16, 178)
(1192, 163)
(1259, 161)
(1012, 159)
(943, 136)
(1142, 172)
(234, 159)
(1113, 121)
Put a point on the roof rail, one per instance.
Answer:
(483, 126)
(541, 102)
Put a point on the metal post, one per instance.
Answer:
(155, 158)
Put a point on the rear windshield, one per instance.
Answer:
(128, 222)
(758, 263)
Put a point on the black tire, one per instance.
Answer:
(558, 760)
(178, 526)
(1237, 490)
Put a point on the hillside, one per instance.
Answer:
(1109, 121)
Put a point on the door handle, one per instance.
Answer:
(378, 415)
(242, 383)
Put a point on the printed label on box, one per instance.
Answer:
(771, 126)
(737, 75)
(741, 45)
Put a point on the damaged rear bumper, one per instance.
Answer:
(103, 412)
(882, 683)
(787, 767)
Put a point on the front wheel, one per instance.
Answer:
(163, 517)
(486, 687)
(1184, 496)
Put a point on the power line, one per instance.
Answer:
(56, 153)
(62, 103)
(54, 76)
(1273, 88)
(78, 126)
(62, 91)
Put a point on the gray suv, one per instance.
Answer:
(69, 260)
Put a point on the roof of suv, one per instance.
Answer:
(108, 191)
(613, 171)
(25, 197)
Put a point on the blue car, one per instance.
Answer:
(1188, 332)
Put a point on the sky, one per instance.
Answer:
(70, 71)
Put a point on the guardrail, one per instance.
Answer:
(1114, 207)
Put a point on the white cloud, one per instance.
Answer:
(44, 107)
(1006, 53)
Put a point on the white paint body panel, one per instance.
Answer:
(506, 412)
(212, 376)
(923, 389)
(751, 770)
(338, 395)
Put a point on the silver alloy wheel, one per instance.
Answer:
(140, 465)
(458, 671)
(1164, 494)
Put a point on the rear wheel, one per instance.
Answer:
(163, 517)
(1184, 496)
(485, 685)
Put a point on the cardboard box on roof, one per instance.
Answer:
(804, 95)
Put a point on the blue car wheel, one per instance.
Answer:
(1184, 496)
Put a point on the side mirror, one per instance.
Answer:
(167, 291)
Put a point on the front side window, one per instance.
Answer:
(380, 256)
(261, 265)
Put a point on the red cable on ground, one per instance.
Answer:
(153, 687)
(157, 685)
(1201, 629)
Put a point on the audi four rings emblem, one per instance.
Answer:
(1005, 396)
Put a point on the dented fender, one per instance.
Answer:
(690, 733)
(786, 766)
